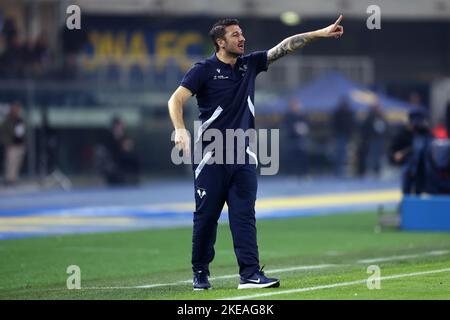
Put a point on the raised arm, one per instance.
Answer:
(300, 40)
(175, 104)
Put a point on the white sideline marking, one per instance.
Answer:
(312, 267)
(334, 285)
(115, 249)
(406, 256)
(229, 276)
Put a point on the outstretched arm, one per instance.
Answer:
(300, 40)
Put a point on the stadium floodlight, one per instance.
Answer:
(290, 18)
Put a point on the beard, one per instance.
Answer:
(233, 52)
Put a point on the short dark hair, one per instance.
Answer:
(218, 30)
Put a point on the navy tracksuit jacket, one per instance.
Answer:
(225, 98)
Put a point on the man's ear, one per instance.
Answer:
(220, 42)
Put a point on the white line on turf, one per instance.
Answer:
(297, 268)
(115, 249)
(334, 285)
(406, 256)
(229, 276)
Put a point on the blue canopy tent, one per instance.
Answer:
(325, 93)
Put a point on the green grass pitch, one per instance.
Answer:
(413, 265)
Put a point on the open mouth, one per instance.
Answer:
(241, 46)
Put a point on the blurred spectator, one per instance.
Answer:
(343, 124)
(35, 56)
(49, 144)
(22, 59)
(13, 135)
(400, 146)
(437, 166)
(12, 60)
(426, 166)
(409, 148)
(372, 138)
(118, 161)
(447, 117)
(9, 31)
(297, 131)
(73, 42)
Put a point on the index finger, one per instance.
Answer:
(339, 20)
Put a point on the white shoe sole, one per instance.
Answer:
(202, 289)
(274, 284)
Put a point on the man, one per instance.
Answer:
(122, 166)
(373, 133)
(297, 131)
(343, 124)
(13, 133)
(224, 85)
(409, 149)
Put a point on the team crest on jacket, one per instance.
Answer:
(201, 192)
(243, 69)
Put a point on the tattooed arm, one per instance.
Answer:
(288, 45)
(300, 40)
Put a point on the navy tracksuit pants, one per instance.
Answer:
(236, 185)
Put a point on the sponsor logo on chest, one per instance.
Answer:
(219, 76)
